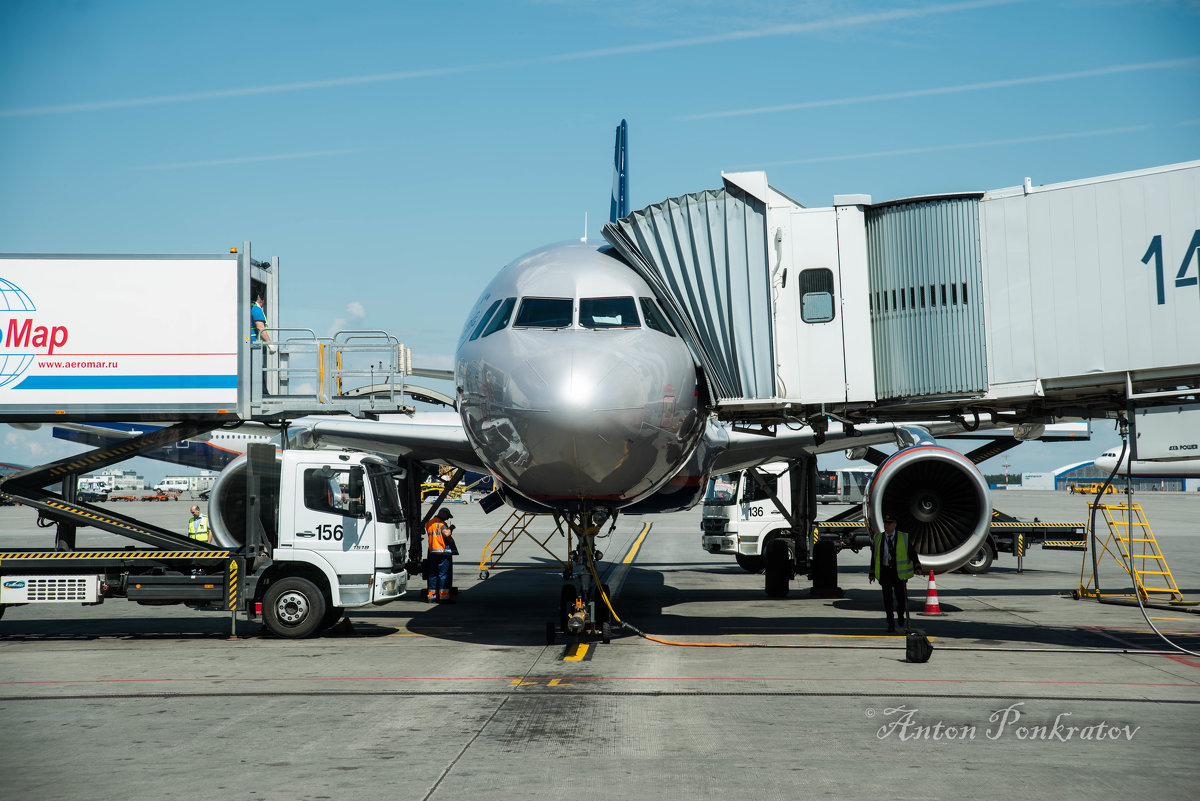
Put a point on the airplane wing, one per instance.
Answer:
(745, 449)
(439, 444)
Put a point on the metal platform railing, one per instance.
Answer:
(302, 373)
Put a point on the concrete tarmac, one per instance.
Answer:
(1029, 693)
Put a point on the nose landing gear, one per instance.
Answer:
(582, 608)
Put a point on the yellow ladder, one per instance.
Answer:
(1132, 545)
(516, 526)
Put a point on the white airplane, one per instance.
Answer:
(1177, 468)
(577, 394)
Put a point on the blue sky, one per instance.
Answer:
(395, 155)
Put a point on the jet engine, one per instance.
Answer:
(939, 497)
(227, 505)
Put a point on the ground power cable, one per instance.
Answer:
(1126, 559)
(833, 646)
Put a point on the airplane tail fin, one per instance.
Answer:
(620, 194)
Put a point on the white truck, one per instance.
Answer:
(326, 534)
(739, 518)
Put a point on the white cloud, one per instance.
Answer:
(354, 311)
(945, 90)
(621, 50)
(941, 148)
(183, 165)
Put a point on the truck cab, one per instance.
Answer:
(739, 517)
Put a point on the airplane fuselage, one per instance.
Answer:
(572, 387)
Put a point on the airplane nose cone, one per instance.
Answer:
(595, 417)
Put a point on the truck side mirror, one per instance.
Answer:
(356, 503)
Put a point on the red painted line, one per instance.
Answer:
(800, 679)
(1183, 660)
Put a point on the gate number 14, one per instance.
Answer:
(1182, 278)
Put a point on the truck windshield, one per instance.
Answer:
(387, 502)
(722, 490)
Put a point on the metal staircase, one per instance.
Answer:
(1131, 543)
(515, 527)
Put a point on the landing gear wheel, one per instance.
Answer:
(778, 571)
(979, 563)
(294, 607)
(606, 632)
(551, 631)
(751, 564)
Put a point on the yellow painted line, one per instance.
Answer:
(405, 634)
(1190, 619)
(633, 550)
(576, 652)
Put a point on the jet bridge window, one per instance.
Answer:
(816, 295)
(544, 313)
(501, 317)
(654, 317)
(608, 313)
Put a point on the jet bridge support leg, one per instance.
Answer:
(788, 556)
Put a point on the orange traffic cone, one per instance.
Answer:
(931, 601)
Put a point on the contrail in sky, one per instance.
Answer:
(183, 165)
(939, 148)
(778, 30)
(946, 90)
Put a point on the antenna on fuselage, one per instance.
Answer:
(584, 237)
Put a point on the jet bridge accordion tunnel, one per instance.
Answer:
(985, 300)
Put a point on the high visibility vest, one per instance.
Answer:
(198, 528)
(437, 531)
(904, 565)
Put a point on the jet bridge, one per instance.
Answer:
(1060, 300)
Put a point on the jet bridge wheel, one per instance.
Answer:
(294, 608)
(778, 569)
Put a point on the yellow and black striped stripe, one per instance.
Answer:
(231, 589)
(114, 555)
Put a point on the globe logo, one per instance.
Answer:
(14, 299)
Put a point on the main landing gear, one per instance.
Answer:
(582, 610)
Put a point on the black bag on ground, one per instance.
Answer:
(917, 646)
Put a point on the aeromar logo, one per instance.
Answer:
(25, 337)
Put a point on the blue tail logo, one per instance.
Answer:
(620, 194)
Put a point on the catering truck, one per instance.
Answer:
(298, 536)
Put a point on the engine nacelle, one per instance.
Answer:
(227, 505)
(939, 497)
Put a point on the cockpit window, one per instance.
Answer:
(487, 315)
(544, 313)
(654, 317)
(608, 313)
(500, 318)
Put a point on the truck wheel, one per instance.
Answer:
(778, 571)
(294, 607)
(751, 564)
(979, 563)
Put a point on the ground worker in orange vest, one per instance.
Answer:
(441, 557)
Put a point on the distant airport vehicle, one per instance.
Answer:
(1093, 488)
(172, 486)
(332, 525)
(845, 485)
